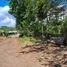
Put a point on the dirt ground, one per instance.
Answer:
(16, 54)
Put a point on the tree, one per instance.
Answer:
(64, 29)
(27, 11)
(22, 10)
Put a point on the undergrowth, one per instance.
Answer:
(25, 39)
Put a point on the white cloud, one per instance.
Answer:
(4, 9)
(6, 19)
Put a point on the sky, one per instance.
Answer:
(6, 19)
(64, 2)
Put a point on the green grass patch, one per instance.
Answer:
(25, 39)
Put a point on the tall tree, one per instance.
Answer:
(27, 11)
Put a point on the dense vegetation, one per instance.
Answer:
(4, 31)
(39, 17)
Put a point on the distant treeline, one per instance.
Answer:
(5, 31)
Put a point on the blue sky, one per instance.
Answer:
(64, 3)
(6, 19)
(2, 3)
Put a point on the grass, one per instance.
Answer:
(25, 39)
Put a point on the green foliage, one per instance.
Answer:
(25, 39)
(22, 10)
(31, 13)
(64, 25)
(5, 30)
(54, 27)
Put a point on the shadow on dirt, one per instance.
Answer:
(33, 48)
(42, 48)
(53, 56)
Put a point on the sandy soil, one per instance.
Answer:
(10, 55)
(16, 54)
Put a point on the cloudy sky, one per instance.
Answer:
(6, 19)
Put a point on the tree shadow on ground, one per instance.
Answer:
(52, 56)
(41, 48)
(33, 48)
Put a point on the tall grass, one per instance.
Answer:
(25, 39)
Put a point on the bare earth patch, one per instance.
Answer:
(16, 54)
